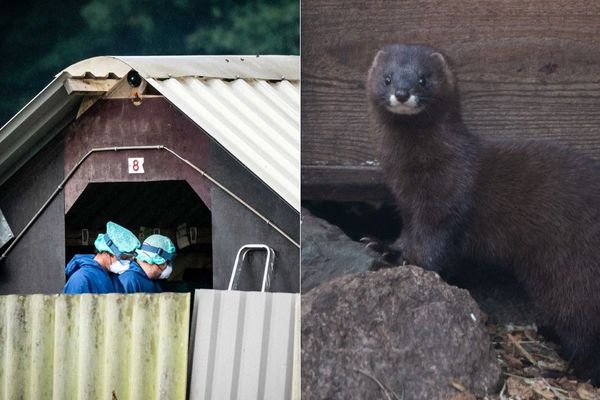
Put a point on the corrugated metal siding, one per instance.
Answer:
(246, 346)
(257, 121)
(94, 346)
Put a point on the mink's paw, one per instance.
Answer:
(388, 256)
(374, 244)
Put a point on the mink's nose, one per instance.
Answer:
(402, 95)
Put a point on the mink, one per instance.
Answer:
(531, 207)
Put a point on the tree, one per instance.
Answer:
(40, 38)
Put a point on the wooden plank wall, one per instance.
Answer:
(526, 69)
(36, 264)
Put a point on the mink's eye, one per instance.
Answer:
(422, 81)
(388, 80)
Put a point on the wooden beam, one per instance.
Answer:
(343, 183)
(86, 103)
(89, 87)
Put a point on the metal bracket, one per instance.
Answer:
(85, 237)
(193, 235)
(237, 266)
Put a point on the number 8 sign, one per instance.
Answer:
(136, 165)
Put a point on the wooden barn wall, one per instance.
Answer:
(228, 237)
(526, 69)
(117, 122)
(36, 264)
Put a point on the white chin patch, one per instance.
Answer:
(409, 107)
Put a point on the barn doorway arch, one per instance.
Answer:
(169, 207)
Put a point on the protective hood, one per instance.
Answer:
(80, 261)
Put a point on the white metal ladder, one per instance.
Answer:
(237, 266)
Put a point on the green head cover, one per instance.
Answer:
(156, 249)
(116, 240)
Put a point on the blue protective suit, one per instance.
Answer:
(85, 275)
(135, 280)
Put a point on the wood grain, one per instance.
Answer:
(526, 69)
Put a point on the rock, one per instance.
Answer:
(328, 253)
(498, 293)
(401, 330)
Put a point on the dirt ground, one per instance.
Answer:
(531, 368)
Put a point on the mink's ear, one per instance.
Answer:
(377, 57)
(442, 62)
(375, 61)
(439, 58)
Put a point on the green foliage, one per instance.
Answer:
(41, 38)
(258, 28)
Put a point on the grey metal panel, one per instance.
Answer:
(245, 345)
(5, 232)
(94, 346)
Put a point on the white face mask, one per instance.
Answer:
(118, 267)
(166, 272)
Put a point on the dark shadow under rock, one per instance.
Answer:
(357, 219)
(402, 329)
(498, 294)
(328, 253)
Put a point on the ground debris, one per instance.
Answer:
(533, 369)
(463, 396)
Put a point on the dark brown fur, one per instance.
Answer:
(531, 207)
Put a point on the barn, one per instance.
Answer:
(203, 149)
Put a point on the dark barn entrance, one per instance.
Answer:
(170, 208)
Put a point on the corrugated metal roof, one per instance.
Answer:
(256, 121)
(35, 125)
(163, 67)
(250, 105)
(94, 346)
(245, 345)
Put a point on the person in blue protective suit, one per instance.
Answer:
(153, 261)
(98, 273)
